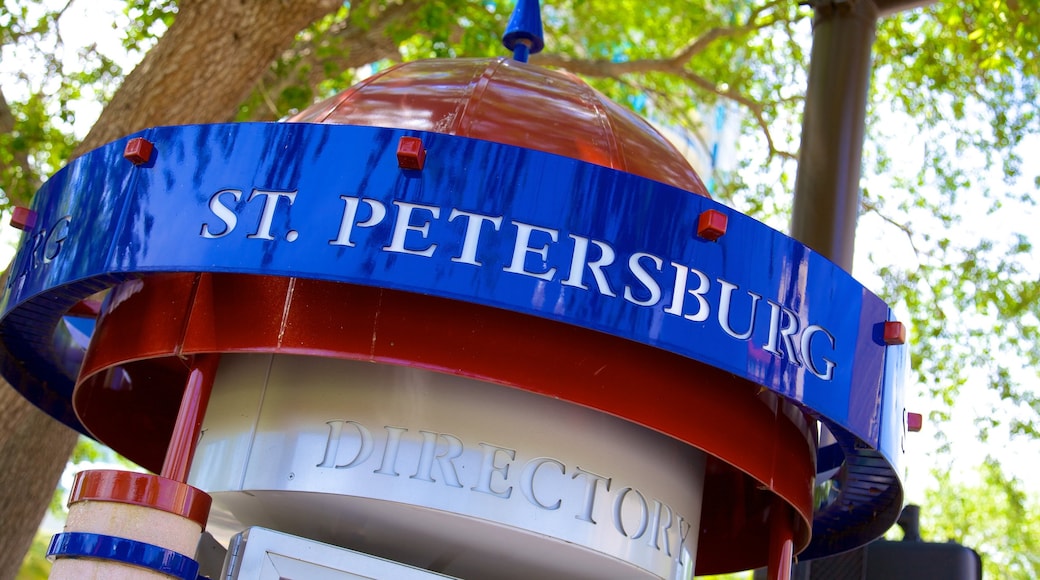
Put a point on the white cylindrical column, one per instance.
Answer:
(458, 476)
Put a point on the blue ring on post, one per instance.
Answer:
(123, 550)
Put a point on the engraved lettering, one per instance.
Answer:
(332, 445)
(578, 263)
(489, 467)
(810, 363)
(679, 293)
(222, 212)
(619, 504)
(403, 225)
(684, 533)
(660, 525)
(591, 484)
(724, 307)
(55, 239)
(263, 228)
(474, 221)
(39, 241)
(782, 335)
(527, 478)
(644, 277)
(523, 247)
(377, 211)
(428, 455)
(393, 446)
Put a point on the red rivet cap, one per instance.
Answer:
(138, 150)
(712, 225)
(894, 333)
(410, 153)
(23, 218)
(914, 422)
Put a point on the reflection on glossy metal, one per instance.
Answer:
(192, 409)
(612, 499)
(141, 489)
(524, 33)
(560, 239)
(707, 408)
(505, 101)
(748, 305)
(122, 551)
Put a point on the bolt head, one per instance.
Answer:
(914, 422)
(712, 225)
(23, 218)
(138, 150)
(410, 153)
(894, 333)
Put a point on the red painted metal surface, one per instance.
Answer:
(192, 411)
(138, 150)
(410, 153)
(914, 422)
(158, 336)
(142, 489)
(894, 333)
(781, 542)
(712, 225)
(761, 446)
(23, 218)
(513, 103)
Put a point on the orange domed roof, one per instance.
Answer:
(513, 103)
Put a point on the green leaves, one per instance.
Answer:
(989, 512)
(950, 177)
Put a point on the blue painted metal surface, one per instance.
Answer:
(523, 35)
(124, 551)
(482, 222)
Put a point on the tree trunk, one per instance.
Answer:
(33, 451)
(205, 65)
(199, 72)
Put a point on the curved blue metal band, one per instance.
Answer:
(102, 547)
(484, 223)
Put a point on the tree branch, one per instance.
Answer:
(869, 206)
(702, 42)
(366, 45)
(756, 109)
(677, 65)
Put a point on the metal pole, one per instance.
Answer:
(827, 194)
(192, 410)
(826, 199)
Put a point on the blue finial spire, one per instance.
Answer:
(524, 34)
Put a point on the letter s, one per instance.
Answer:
(223, 213)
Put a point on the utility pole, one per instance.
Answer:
(827, 193)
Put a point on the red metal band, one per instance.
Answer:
(142, 489)
(762, 446)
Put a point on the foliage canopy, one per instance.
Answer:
(949, 182)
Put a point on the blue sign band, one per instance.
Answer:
(122, 550)
(483, 223)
